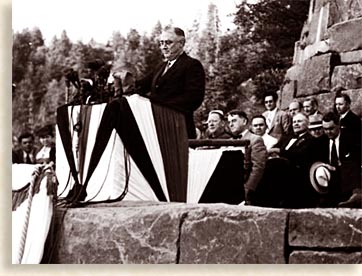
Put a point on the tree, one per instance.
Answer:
(277, 23)
(272, 26)
(210, 38)
(193, 40)
(150, 50)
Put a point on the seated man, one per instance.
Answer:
(26, 152)
(297, 149)
(343, 153)
(315, 125)
(310, 106)
(216, 126)
(256, 155)
(277, 120)
(258, 127)
(295, 107)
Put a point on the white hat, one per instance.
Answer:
(217, 111)
(320, 176)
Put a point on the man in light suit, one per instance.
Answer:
(179, 81)
(256, 155)
(258, 127)
(277, 120)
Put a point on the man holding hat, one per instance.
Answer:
(341, 156)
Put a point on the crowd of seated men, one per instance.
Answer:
(299, 158)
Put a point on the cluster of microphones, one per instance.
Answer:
(91, 85)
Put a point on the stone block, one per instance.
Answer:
(123, 235)
(340, 11)
(318, 4)
(325, 228)
(325, 257)
(313, 28)
(293, 72)
(319, 47)
(233, 235)
(287, 93)
(347, 76)
(351, 57)
(345, 36)
(314, 76)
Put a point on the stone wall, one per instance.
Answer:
(328, 55)
(179, 233)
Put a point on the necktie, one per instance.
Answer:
(28, 160)
(238, 136)
(168, 65)
(334, 156)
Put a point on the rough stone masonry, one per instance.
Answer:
(328, 55)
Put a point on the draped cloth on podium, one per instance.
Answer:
(128, 149)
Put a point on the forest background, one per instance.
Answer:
(240, 64)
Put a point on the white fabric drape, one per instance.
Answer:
(41, 213)
(109, 177)
(142, 111)
(202, 164)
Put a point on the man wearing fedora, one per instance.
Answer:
(341, 155)
(315, 125)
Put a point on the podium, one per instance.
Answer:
(133, 149)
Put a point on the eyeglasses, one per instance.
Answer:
(165, 42)
(269, 101)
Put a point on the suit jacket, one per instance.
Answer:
(18, 156)
(300, 156)
(280, 125)
(351, 126)
(348, 174)
(256, 156)
(182, 87)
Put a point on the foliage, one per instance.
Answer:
(240, 64)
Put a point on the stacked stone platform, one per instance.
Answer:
(179, 233)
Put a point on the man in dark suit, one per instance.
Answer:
(340, 151)
(26, 152)
(350, 123)
(297, 151)
(179, 81)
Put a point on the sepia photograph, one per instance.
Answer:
(187, 132)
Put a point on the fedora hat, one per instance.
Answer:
(320, 177)
(315, 121)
